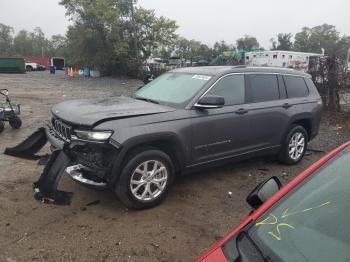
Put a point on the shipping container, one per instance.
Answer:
(12, 65)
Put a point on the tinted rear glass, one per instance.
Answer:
(263, 87)
(296, 86)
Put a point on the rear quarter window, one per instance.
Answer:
(296, 86)
(264, 87)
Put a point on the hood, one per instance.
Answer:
(91, 112)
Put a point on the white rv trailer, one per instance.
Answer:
(287, 59)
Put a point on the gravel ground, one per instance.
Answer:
(195, 215)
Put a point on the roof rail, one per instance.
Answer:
(240, 66)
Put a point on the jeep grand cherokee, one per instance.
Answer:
(186, 119)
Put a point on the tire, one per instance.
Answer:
(2, 126)
(294, 139)
(137, 195)
(29, 68)
(15, 122)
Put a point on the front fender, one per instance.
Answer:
(152, 139)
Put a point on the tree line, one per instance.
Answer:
(115, 37)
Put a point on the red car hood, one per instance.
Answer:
(215, 254)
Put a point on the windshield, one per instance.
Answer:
(173, 88)
(311, 222)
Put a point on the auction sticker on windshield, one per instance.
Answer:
(201, 77)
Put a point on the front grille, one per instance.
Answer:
(62, 130)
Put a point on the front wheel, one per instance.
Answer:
(2, 126)
(15, 122)
(146, 179)
(294, 146)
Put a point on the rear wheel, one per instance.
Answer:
(15, 122)
(294, 146)
(146, 179)
(2, 126)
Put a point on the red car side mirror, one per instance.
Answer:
(263, 192)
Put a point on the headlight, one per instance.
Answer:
(94, 135)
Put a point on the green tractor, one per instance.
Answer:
(9, 112)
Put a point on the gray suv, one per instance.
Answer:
(184, 120)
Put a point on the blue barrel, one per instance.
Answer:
(86, 72)
(52, 69)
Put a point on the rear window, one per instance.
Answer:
(310, 84)
(296, 86)
(263, 87)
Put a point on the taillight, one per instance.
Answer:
(319, 101)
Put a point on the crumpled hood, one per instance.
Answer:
(90, 112)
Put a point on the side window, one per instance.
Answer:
(232, 88)
(296, 86)
(263, 87)
(310, 84)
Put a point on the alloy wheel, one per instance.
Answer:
(296, 146)
(148, 180)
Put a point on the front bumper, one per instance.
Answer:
(87, 162)
(90, 161)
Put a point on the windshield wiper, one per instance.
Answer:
(147, 99)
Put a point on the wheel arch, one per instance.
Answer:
(166, 142)
(304, 120)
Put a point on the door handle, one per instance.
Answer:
(287, 105)
(241, 111)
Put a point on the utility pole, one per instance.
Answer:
(132, 2)
(347, 61)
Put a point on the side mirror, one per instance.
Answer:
(210, 101)
(263, 192)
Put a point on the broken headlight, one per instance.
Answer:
(94, 135)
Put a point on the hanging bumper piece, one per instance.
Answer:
(46, 188)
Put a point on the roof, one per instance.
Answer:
(221, 70)
(284, 52)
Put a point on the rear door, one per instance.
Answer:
(221, 132)
(267, 116)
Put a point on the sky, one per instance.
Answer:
(206, 21)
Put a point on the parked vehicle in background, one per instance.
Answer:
(30, 66)
(307, 220)
(42, 61)
(186, 119)
(12, 64)
(287, 59)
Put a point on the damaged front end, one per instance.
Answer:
(86, 161)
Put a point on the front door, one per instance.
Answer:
(221, 132)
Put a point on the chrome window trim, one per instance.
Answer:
(242, 73)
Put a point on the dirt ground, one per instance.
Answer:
(195, 215)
